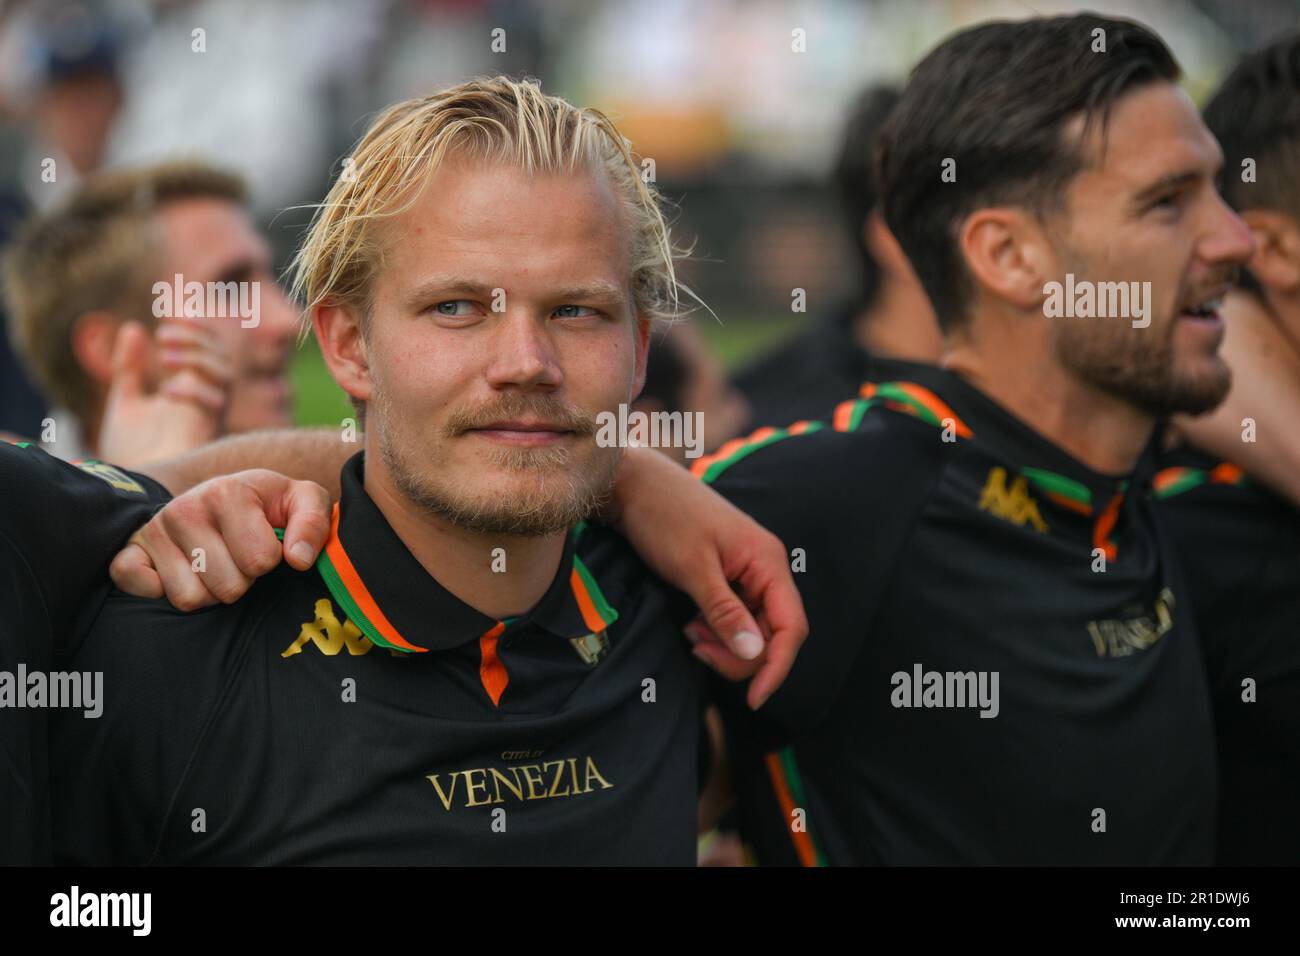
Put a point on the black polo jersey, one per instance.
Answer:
(359, 713)
(60, 526)
(806, 375)
(1239, 547)
(1001, 666)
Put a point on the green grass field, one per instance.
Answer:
(321, 402)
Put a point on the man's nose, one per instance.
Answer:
(1230, 241)
(523, 353)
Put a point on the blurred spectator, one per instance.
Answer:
(77, 274)
(826, 361)
(72, 58)
(74, 49)
(273, 79)
(684, 375)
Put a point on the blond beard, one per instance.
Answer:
(557, 497)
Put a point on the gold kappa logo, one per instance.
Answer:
(330, 636)
(1013, 504)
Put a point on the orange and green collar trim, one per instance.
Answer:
(912, 398)
(355, 599)
(711, 466)
(920, 402)
(787, 786)
(597, 614)
(352, 595)
(1178, 479)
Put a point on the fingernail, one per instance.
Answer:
(702, 655)
(301, 550)
(762, 699)
(747, 645)
(691, 635)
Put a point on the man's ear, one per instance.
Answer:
(642, 354)
(343, 346)
(1276, 262)
(93, 336)
(1008, 254)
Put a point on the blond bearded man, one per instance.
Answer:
(471, 674)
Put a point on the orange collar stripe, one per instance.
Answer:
(490, 669)
(357, 590)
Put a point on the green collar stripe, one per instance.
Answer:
(891, 391)
(1059, 484)
(1189, 479)
(603, 607)
(718, 467)
(349, 607)
(859, 410)
(354, 614)
(800, 798)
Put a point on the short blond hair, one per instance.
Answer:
(96, 252)
(494, 119)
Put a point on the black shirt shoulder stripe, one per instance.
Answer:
(843, 498)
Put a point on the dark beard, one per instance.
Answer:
(1140, 372)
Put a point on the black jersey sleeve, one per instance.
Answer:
(843, 503)
(62, 524)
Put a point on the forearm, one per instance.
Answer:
(1273, 459)
(647, 481)
(303, 454)
(1254, 428)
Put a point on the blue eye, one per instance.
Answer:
(454, 307)
(575, 311)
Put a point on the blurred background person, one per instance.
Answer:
(106, 264)
(684, 375)
(1229, 491)
(890, 317)
(67, 93)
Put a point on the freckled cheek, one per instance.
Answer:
(423, 374)
(600, 374)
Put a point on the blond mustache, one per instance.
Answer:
(564, 417)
